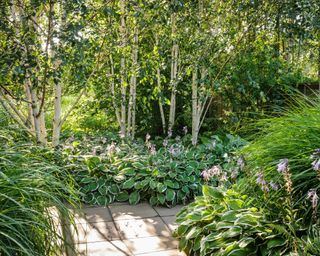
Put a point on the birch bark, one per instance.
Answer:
(123, 81)
(163, 119)
(174, 69)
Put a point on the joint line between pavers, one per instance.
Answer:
(119, 235)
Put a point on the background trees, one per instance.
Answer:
(152, 66)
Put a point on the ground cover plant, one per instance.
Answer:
(165, 173)
(31, 186)
(273, 208)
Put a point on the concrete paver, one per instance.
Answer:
(138, 228)
(126, 230)
(125, 212)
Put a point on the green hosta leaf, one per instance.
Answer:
(232, 232)
(92, 162)
(239, 252)
(275, 242)
(169, 183)
(128, 184)
(101, 182)
(120, 178)
(213, 192)
(161, 187)
(153, 200)
(193, 164)
(244, 242)
(153, 184)
(247, 219)
(90, 187)
(173, 165)
(181, 195)
(183, 243)
(197, 243)
(122, 196)
(170, 195)
(172, 174)
(138, 185)
(181, 230)
(138, 165)
(161, 198)
(102, 200)
(128, 171)
(89, 198)
(134, 197)
(114, 189)
(235, 204)
(86, 180)
(185, 189)
(103, 190)
(195, 231)
(224, 225)
(230, 216)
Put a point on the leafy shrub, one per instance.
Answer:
(31, 186)
(138, 171)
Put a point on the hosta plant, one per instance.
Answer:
(133, 171)
(222, 222)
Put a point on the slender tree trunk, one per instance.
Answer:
(113, 92)
(43, 129)
(35, 111)
(133, 84)
(29, 106)
(123, 81)
(57, 115)
(174, 73)
(134, 78)
(195, 112)
(163, 119)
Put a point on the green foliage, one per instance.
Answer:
(133, 172)
(33, 193)
(225, 222)
(295, 136)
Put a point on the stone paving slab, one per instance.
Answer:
(138, 228)
(163, 253)
(170, 221)
(97, 214)
(150, 244)
(112, 248)
(125, 212)
(101, 231)
(131, 230)
(164, 211)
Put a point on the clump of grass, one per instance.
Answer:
(295, 135)
(30, 185)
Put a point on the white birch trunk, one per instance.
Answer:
(123, 69)
(115, 106)
(174, 69)
(133, 86)
(163, 119)
(195, 112)
(35, 111)
(57, 115)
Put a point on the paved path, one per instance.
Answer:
(123, 230)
